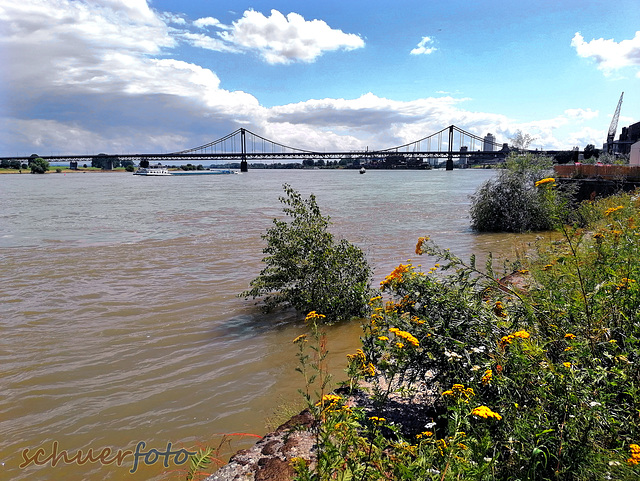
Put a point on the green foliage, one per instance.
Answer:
(306, 269)
(534, 375)
(38, 165)
(515, 202)
(198, 462)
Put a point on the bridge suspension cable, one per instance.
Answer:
(242, 141)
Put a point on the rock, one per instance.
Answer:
(270, 458)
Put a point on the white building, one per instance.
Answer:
(489, 141)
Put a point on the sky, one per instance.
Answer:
(154, 76)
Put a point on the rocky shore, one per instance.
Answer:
(270, 458)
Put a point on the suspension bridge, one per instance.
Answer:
(243, 145)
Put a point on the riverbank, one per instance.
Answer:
(511, 378)
(65, 170)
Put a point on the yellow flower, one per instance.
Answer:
(383, 338)
(569, 336)
(635, 454)
(377, 420)
(399, 345)
(486, 379)
(625, 283)
(611, 210)
(548, 180)
(567, 365)
(485, 412)
(459, 391)
(498, 309)
(329, 401)
(300, 338)
(521, 334)
(507, 339)
(396, 274)
(406, 336)
(313, 315)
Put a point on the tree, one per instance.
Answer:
(306, 269)
(38, 165)
(521, 141)
(144, 164)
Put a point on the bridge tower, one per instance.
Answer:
(244, 167)
(450, 153)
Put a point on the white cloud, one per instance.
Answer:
(423, 47)
(209, 43)
(281, 40)
(581, 114)
(609, 54)
(206, 22)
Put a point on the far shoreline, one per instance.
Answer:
(66, 170)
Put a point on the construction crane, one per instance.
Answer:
(613, 127)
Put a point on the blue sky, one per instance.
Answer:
(122, 76)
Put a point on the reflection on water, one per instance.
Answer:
(119, 315)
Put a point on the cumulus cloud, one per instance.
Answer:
(609, 54)
(206, 22)
(280, 40)
(423, 47)
(104, 64)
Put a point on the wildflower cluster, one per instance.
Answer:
(611, 210)
(635, 454)
(548, 180)
(458, 391)
(486, 413)
(405, 335)
(396, 275)
(358, 364)
(516, 335)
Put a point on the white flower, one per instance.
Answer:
(594, 404)
(452, 355)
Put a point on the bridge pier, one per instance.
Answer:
(244, 167)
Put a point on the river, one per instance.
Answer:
(119, 315)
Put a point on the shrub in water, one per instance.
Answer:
(517, 200)
(306, 269)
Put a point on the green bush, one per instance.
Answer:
(515, 201)
(306, 269)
